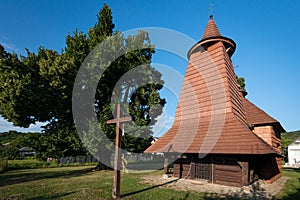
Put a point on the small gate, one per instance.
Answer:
(201, 171)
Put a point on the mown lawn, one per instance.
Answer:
(79, 183)
(292, 186)
(82, 183)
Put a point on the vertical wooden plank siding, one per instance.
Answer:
(245, 172)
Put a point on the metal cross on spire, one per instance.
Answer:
(211, 10)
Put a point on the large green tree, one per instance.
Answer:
(38, 87)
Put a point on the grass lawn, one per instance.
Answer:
(292, 186)
(82, 183)
(79, 183)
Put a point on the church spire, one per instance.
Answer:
(212, 35)
(211, 29)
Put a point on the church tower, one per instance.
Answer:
(210, 128)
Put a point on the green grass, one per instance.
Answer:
(81, 183)
(29, 164)
(292, 186)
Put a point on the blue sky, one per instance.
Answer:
(266, 33)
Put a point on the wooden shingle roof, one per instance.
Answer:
(210, 116)
(256, 116)
(210, 36)
(234, 138)
(211, 30)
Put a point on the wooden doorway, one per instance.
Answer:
(201, 171)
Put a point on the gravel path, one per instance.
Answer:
(258, 190)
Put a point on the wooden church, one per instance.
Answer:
(218, 134)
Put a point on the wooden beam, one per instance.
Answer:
(245, 172)
(117, 163)
(166, 165)
(114, 121)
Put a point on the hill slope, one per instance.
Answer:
(289, 137)
(8, 137)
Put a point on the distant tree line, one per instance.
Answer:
(12, 141)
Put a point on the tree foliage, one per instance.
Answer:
(241, 82)
(38, 88)
(12, 141)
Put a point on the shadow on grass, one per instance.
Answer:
(253, 192)
(22, 177)
(53, 196)
(291, 169)
(149, 188)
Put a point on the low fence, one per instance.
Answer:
(128, 157)
(3, 164)
(143, 157)
(76, 159)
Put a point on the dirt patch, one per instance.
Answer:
(258, 190)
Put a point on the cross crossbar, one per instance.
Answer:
(120, 120)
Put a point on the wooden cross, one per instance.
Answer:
(117, 166)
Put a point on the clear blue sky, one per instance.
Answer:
(266, 33)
